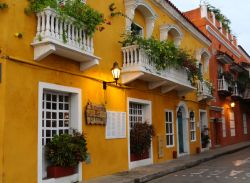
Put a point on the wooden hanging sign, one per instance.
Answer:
(96, 114)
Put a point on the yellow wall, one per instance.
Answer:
(2, 114)
(21, 114)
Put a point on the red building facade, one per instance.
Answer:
(229, 72)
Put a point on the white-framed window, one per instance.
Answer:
(192, 129)
(224, 129)
(169, 128)
(232, 123)
(59, 110)
(245, 123)
(116, 125)
(137, 29)
(55, 115)
(136, 113)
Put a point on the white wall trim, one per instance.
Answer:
(204, 111)
(186, 122)
(77, 112)
(166, 7)
(149, 120)
(220, 39)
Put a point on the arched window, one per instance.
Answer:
(172, 33)
(145, 9)
(203, 57)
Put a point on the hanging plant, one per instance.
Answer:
(165, 54)
(84, 15)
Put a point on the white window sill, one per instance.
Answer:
(68, 179)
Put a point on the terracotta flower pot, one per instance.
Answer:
(57, 171)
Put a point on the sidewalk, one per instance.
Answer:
(150, 172)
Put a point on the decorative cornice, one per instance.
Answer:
(170, 10)
(219, 38)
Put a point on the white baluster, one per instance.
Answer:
(84, 40)
(80, 39)
(38, 29)
(128, 57)
(136, 56)
(52, 25)
(57, 34)
(43, 24)
(132, 55)
(88, 43)
(47, 29)
(69, 33)
(124, 58)
(77, 37)
(91, 45)
(73, 35)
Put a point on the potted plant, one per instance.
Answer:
(140, 140)
(64, 152)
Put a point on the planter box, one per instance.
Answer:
(57, 171)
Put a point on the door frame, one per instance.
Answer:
(206, 118)
(185, 122)
(76, 113)
(148, 161)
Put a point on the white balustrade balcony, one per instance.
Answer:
(137, 65)
(223, 86)
(203, 91)
(236, 92)
(59, 36)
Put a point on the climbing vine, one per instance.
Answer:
(84, 15)
(165, 54)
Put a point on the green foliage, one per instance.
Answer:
(66, 150)
(140, 138)
(84, 15)
(210, 87)
(165, 54)
(3, 6)
(220, 17)
(242, 81)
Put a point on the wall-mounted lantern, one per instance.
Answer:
(116, 71)
(232, 104)
(191, 115)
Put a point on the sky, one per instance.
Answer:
(238, 11)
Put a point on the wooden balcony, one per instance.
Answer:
(61, 37)
(137, 65)
(203, 91)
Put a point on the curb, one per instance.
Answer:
(191, 164)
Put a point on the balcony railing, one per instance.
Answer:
(223, 86)
(236, 92)
(203, 90)
(62, 37)
(137, 65)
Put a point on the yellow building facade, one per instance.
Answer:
(36, 73)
